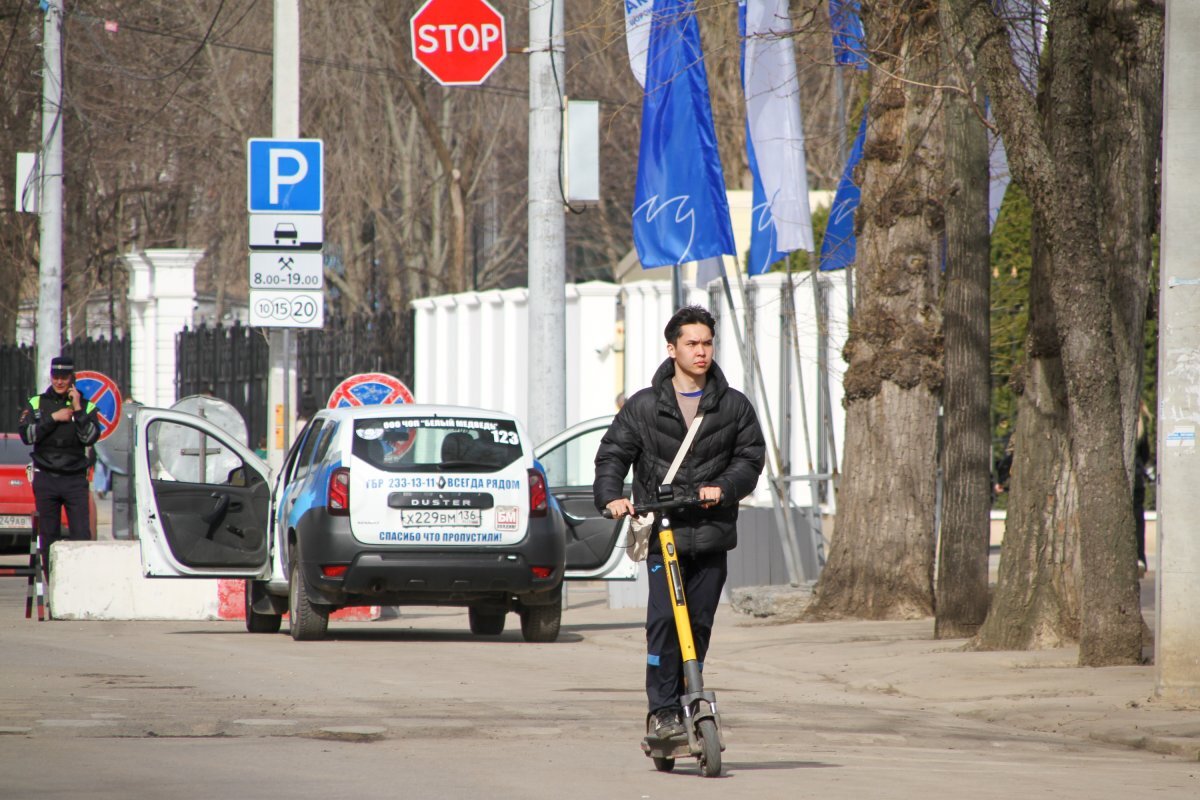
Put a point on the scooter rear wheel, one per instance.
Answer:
(664, 764)
(710, 748)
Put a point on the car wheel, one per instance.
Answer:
(486, 622)
(309, 621)
(256, 622)
(541, 623)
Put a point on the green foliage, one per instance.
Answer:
(1011, 261)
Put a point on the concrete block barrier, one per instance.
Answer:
(103, 581)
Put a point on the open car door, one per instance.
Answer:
(202, 500)
(596, 547)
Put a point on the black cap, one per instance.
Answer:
(62, 364)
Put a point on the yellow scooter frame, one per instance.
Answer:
(700, 718)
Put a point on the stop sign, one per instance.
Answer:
(458, 42)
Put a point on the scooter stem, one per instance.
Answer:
(683, 622)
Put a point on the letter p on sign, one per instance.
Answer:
(458, 42)
(298, 169)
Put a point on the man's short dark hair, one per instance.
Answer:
(689, 315)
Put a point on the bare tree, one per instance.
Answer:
(1057, 167)
(19, 131)
(1037, 601)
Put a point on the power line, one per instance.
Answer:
(329, 63)
(150, 78)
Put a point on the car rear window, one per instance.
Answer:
(13, 451)
(437, 444)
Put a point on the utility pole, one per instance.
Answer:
(547, 395)
(285, 124)
(48, 334)
(1177, 587)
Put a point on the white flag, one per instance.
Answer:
(773, 117)
(637, 35)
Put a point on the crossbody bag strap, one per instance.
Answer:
(683, 448)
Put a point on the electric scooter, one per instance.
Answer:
(700, 718)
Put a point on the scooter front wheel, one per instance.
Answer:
(710, 748)
(664, 764)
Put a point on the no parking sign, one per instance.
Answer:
(369, 389)
(375, 389)
(101, 390)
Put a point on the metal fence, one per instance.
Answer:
(349, 345)
(18, 381)
(110, 356)
(232, 363)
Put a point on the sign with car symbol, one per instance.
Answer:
(286, 231)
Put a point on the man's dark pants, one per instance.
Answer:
(703, 578)
(51, 492)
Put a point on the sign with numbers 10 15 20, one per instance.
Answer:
(274, 308)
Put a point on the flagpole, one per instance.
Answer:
(814, 519)
(779, 495)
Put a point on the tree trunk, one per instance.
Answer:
(1057, 172)
(1128, 89)
(881, 560)
(1036, 602)
(962, 584)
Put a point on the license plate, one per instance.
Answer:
(16, 521)
(435, 517)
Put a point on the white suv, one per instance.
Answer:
(375, 506)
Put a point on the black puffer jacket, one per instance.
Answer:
(58, 447)
(727, 452)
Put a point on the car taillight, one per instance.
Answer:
(334, 570)
(538, 502)
(542, 572)
(339, 492)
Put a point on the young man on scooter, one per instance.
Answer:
(721, 467)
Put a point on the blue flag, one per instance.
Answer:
(680, 212)
(764, 243)
(780, 217)
(847, 33)
(839, 245)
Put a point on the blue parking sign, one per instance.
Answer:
(285, 175)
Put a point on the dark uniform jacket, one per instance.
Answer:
(58, 447)
(728, 452)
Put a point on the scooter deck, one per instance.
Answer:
(671, 747)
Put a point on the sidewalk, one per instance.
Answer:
(900, 663)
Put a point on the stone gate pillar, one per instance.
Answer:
(162, 299)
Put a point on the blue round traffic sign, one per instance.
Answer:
(369, 389)
(101, 390)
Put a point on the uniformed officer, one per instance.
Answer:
(60, 424)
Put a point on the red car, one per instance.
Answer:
(16, 496)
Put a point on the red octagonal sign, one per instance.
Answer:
(458, 42)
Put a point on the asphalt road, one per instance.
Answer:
(417, 707)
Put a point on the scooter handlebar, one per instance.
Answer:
(668, 505)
